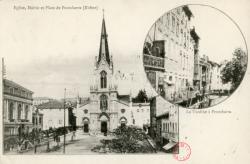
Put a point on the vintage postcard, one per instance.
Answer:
(155, 81)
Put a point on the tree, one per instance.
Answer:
(235, 69)
(141, 97)
(128, 139)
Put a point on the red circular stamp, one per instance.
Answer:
(183, 153)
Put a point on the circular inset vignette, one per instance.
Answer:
(195, 56)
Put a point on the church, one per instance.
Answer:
(105, 109)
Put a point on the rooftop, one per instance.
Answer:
(187, 11)
(42, 98)
(56, 104)
(14, 84)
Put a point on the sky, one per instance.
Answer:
(47, 51)
(219, 35)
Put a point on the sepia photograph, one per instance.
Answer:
(95, 102)
(195, 56)
(115, 81)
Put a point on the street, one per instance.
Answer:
(216, 99)
(82, 144)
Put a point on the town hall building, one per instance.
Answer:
(105, 109)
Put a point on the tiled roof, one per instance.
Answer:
(84, 102)
(124, 98)
(55, 104)
(42, 98)
(13, 84)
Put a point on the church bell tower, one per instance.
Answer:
(103, 85)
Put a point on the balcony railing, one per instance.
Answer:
(22, 120)
(18, 120)
(11, 120)
(153, 62)
(17, 95)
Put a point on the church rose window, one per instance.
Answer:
(103, 79)
(123, 110)
(103, 102)
(85, 111)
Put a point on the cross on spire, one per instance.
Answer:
(103, 13)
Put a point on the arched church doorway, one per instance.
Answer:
(123, 121)
(86, 128)
(104, 118)
(85, 124)
(104, 127)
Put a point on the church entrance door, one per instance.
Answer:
(104, 127)
(86, 128)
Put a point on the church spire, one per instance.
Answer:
(104, 49)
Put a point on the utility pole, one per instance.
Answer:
(64, 137)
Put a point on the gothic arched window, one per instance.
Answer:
(103, 102)
(103, 79)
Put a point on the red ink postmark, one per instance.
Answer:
(183, 152)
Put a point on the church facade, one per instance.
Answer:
(105, 109)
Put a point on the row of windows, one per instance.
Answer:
(184, 61)
(170, 127)
(17, 92)
(175, 28)
(142, 110)
(36, 121)
(19, 111)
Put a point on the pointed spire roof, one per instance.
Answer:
(104, 49)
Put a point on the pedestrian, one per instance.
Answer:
(73, 135)
(58, 140)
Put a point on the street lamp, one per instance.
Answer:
(64, 134)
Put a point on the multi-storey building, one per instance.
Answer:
(37, 119)
(17, 111)
(215, 77)
(204, 76)
(140, 113)
(216, 84)
(169, 54)
(164, 128)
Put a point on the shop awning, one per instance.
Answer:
(169, 145)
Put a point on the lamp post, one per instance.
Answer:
(64, 130)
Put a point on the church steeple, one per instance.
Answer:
(104, 49)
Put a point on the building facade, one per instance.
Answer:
(52, 114)
(17, 111)
(215, 77)
(169, 54)
(105, 109)
(37, 119)
(140, 113)
(204, 76)
(164, 120)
